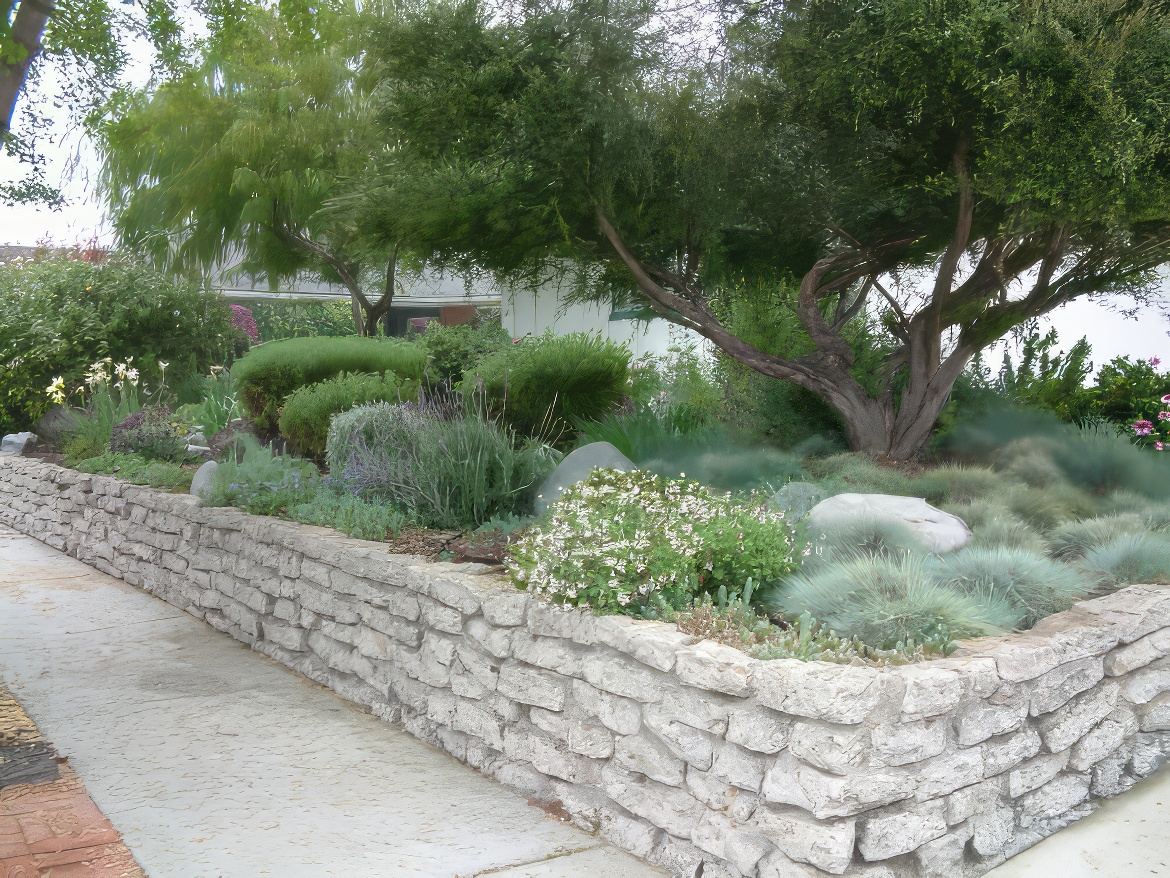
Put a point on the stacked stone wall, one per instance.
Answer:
(686, 753)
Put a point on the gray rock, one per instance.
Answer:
(940, 531)
(576, 467)
(797, 499)
(55, 423)
(201, 482)
(14, 443)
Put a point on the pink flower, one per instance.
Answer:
(1158, 446)
(243, 320)
(1154, 361)
(1164, 416)
(1143, 427)
(1166, 398)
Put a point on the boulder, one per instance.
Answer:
(576, 466)
(55, 423)
(14, 443)
(940, 531)
(201, 483)
(796, 499)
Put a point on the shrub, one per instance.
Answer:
(1046, 508)
(261, 481)
(137, 470)
(58, 316)
(625, 542)
(449, 469)
(1034, 585)
(1074, 538)
(716, 461)
(887, 602)
(267, 374)
(150, 432)
(299, 317)
(304, 418)
(243, 322)
(351, 515)
(454, 350)
(1130, 559)
(543, 386)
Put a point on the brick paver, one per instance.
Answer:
(49, 826)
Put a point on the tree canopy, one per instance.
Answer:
(243, 155)
(951, 169)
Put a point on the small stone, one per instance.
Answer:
(759, 729)
(1036, 773)
(826, 844)
(1145, 684)
(1053, 800)
(902, 743)
(1063, 728)
(531, 686)
(636, 753)
(15, 443)
(891, 835)
(834, 749)
(1059, 685)
(939, 531)
(712, 666)
(201, 481)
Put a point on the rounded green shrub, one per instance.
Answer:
(1035, 585)
(305, 416)
(887, 601)
(453, 350)
(269, 373)
(543, 386)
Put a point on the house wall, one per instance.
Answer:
(682, 751)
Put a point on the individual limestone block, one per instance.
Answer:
(576, 467)
(902, 831)
(940, 531)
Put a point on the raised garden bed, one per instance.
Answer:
(680, 751)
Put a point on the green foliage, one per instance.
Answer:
(1053, 381)
(216, 407)
(152, 433)
(1130, 391)
(543, 386)
(889, 603)
(364, 519)
(1130, 559)
(1034, 585)
(109, 402)
(853, 537)
(1073, 539)
(859, 474)
(449, 469)
(138, 470)
(268, 373)
(304, 418)
(454, 350)
(958, 484)
(739, 625)
(260, 481)
(626, 542)
(277, 320)
(58, 316)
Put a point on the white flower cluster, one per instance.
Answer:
(617, 538)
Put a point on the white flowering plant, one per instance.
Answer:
(624, 542)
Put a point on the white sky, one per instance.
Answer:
(72, 162)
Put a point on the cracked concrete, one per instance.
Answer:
(215, 762)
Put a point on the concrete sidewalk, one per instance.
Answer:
(215, 762)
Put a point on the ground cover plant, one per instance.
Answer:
(267, 374)
(305, 415)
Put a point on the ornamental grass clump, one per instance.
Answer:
(1130, 559)
(889, 603)
(636, 542)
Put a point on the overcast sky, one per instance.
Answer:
(72, 161)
